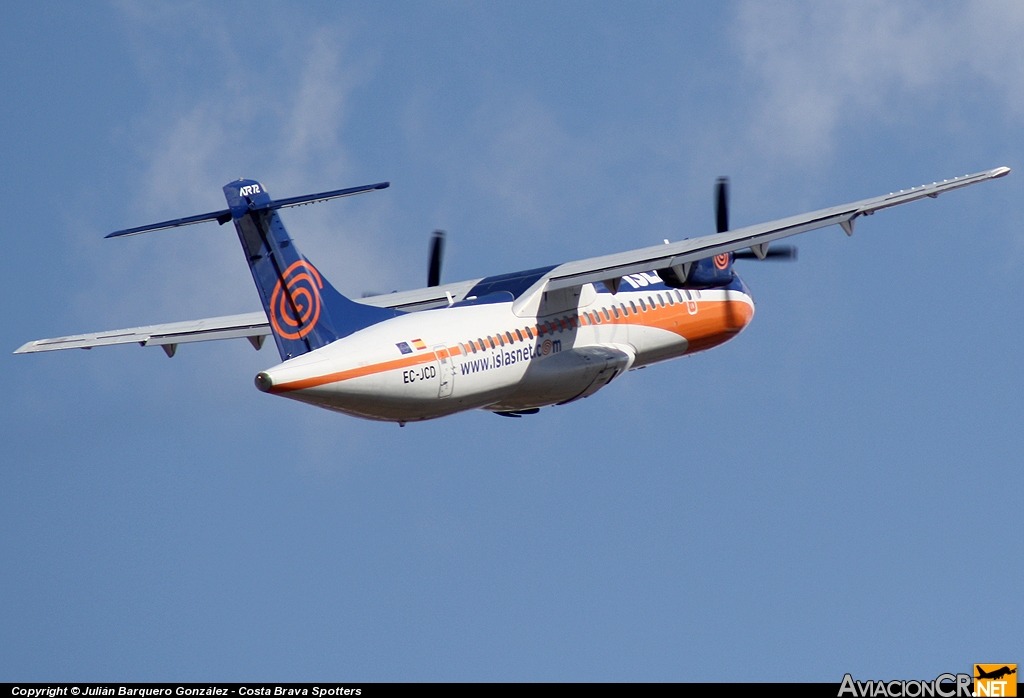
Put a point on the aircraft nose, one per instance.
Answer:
(264, 382)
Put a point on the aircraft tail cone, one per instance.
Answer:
(264, 382)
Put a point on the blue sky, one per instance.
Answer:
(831, 492)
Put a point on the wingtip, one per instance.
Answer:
(1000, 172)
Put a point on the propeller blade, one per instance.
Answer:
(436, 253)
(778, 253)
(722, 204)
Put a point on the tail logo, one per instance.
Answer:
(722, 261)
(295, 302)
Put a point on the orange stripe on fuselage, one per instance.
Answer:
(714, 323)
(357, 372)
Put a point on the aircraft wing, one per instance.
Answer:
(252, 326)
(614, 266)
(421, 298)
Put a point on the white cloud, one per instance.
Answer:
(817, 66)
(217, 114)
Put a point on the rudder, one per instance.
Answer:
(304, 310)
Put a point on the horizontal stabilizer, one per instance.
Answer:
(327, 195)
(224, 216)
(221, 217)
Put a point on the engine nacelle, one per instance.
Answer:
(713, 272)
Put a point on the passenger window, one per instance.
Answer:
(643, 306)
(632, 306)
(615, 312)
(661, 301)
(508, 336)
(671, 301)
(679, 296)
(529, 333)
(519, 335)
(606, 315)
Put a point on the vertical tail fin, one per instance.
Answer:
(304, 310)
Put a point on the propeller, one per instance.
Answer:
(722, 204)
(433, 266)
(778, 253)
(436, 254)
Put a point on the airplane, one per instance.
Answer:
(509, 344)
(995, 674)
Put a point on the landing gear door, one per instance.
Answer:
(445, 370)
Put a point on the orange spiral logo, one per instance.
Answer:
(722, 261)
(295, 306)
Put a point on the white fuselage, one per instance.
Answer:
(436, 362)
